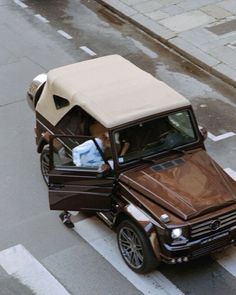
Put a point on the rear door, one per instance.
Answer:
(76, 181)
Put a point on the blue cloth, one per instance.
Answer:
(87, 154)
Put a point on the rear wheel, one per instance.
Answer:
(44, 163)
(135, 247)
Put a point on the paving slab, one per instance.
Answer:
(173, 9)
(119, 7)
(169, 2)
(157, 30)
(225, 71)
(187, 21)
(226, 27)
(193, 52)
(193, 4)
(199, 37)
(132, 2)
(216, 11)
(203, 31)
(225, 54)
(157, 15)
(217, 42)
(147, 6)
(228, 5)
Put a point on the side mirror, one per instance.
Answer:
(204, 132)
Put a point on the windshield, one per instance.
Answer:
(155, 136)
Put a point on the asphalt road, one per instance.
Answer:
(36, 36)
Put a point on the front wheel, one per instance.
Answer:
(135, 247)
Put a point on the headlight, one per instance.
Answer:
(176, 233)
(35, 90)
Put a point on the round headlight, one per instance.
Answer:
(35, 90)
(176, 233)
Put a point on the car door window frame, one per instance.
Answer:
(59, 138)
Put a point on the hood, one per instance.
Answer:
(189, 186)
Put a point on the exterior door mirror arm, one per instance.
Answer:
(204, 132)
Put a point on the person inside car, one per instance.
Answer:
(87, 154)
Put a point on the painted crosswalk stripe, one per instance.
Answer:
(21, 4)
(20, 264)
(220, 137)
(227, 259)
(231, 173)
(88, 50)
(41, 18)
(103, 240)
(64, 34)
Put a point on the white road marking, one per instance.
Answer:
(211, 136)
(220, 137)
(41, 18)
(231, 173)
(87, 50)
(19, 263)
(232, 45)
(64, 34)
(227, 259)
(103, 240)
(21, 4)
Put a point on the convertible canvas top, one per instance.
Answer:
(111, 89)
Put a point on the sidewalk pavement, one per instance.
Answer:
(204, 31)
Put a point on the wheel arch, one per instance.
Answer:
(136, 215)
(41, 144)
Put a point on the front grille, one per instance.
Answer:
(207, 227)
(208, 248)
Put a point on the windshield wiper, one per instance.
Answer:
(146, 160)
(176, 150)
(173, 150)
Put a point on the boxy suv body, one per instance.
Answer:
(152, 179)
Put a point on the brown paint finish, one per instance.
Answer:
(161, 185)
(79, 190)
(191, 189)
(79, 199)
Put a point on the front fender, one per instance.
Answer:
(43, 140)
(136, 214)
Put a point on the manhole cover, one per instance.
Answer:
(223, 28)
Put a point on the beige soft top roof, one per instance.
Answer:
(111, 89)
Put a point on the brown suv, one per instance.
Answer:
(116, 141)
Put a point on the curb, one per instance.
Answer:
(170, 39)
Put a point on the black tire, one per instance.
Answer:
(44, 163)
(135, 247)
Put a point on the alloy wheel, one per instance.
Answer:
(131, 247)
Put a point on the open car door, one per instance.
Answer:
(83, 186)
